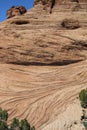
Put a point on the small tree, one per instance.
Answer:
(3, 125)
(24, 125)
(15, 124)
(3, 115)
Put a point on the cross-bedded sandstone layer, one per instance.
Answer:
(43, 65)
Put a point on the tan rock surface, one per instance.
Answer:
(41, 93)
(14, 11)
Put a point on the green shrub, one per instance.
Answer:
(24, 125)
(3, 115)
(3, 126)
(83, 98)
(85, 124)
(15, 124)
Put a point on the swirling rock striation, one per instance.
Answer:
(43, 66)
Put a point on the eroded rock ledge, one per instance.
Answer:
(38, 37)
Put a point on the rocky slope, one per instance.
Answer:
(43, 65)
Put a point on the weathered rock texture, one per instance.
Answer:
(70, 24)
(50, 5)
(14, 11)
(40, 93)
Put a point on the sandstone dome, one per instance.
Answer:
(43, 65)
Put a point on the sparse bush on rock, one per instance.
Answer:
(83, 98)
(3, 115)
(15, 124)
(3, 125)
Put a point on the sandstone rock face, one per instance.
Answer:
(43, 66)
(48, 5)
(14, 11)
(70, 24)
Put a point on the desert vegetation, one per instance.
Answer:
(15, 123)
(83, 100)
